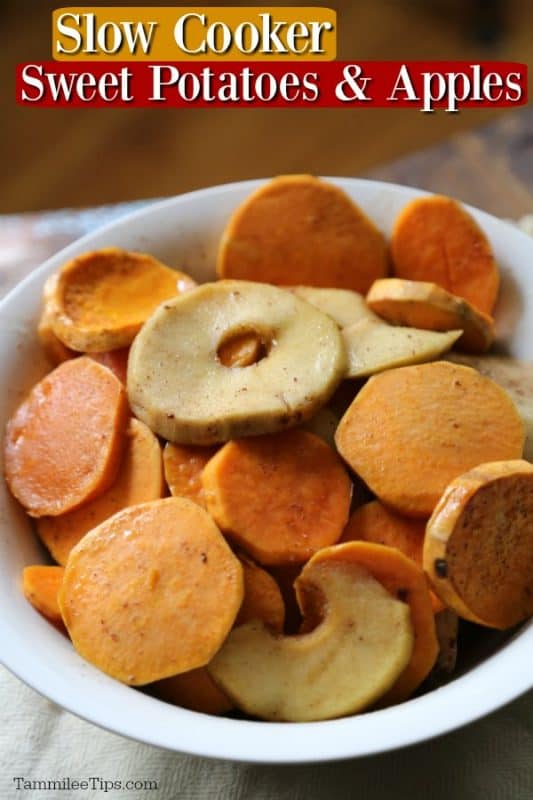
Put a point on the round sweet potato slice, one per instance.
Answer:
(151, 592)
(41, 584)
(412, 430)
(420, 304)
(139, 480)
(280, 497)
(64, 443)
(183, 466)
(101, 299)
(436, 239)
(297, 229)
(478, 550)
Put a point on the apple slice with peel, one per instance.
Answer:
(361, 644)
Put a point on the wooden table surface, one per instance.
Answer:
(491, 168)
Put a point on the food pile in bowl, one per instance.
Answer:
(278, 493)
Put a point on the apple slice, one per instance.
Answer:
(361, 645)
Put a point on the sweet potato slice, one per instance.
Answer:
(41, 585)
(64, 442)
(55, 351)
(374, 522)
(410, 431)
(139, 480)
(241, 350)
(435, 239)
(406, 582)
(419, 304)
(115, 360)
(262, 597)
(196, 690)
(183, 466)
(297, 229)
(280, 497)
(101, 299)
(361, 644)
(373, 347)
(478, 550)
(151, 592)
(516, 377)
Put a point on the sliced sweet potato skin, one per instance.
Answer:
(55, 351)
(101, 299)
(41, 584)
(152, 592)
(478, 550)
(436, 239)
(64, 443)
(139, 480)
(421, 304)
(279, 497)
(297, 229)
(183, 466)
(405, 581)
(412, 430)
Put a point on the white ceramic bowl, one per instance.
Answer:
(184, 231)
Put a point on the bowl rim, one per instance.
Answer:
(469, 697)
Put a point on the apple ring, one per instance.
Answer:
(178, 386)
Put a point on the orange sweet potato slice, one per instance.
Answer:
(297, 229)
(279, 497)
(419, 304)
(183, 466)
(55, 351)
(436, 239)
(241, 350)
(412, 430)
(478, 550)
(115, 360)
(101, 299)
(152, 592)
(262, 597)
(405, 581)
(139, 480)
(64, 442)
(196, 690)
(374, 522)
(41, 585)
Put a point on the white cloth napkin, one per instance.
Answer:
(489, 760)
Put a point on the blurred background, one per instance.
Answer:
(54, 158)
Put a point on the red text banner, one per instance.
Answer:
(423, 85)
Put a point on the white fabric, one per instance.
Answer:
(489, 760)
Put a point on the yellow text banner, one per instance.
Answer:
(195, 33)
